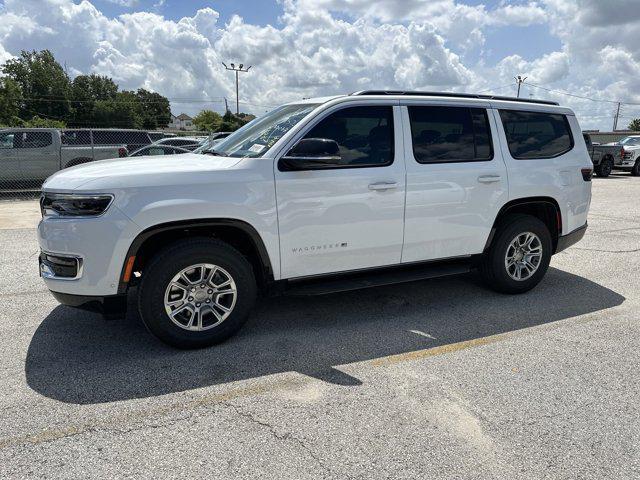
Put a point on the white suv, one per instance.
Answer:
(318, 196)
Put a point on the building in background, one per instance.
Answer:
(181, 122)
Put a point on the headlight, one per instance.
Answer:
(74, 205)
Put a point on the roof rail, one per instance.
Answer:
(453, 95)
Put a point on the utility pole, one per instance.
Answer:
(615, 119)
(226, 105)
(519, 80)
(238, 69)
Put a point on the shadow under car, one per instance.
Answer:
(77, 357)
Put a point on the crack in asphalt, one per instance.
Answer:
(279, 436)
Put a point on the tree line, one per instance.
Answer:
(36, 91)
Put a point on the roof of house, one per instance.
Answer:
(184, 116)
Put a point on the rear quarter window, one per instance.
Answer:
(536, 135)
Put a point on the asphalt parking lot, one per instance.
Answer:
(434, 379)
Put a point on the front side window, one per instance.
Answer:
(536, 135)
(450, 134)
(258, 136)
(6, 139)
(630, 141)
(36, 139)
(364, 135)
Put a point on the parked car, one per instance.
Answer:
(133, 139)
(629, 155)
(153, 150)
(319, 196)
(211, 140)
(189, 143)
(30, 155)
(156, 135)
(604, 157)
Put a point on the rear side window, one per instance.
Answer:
(36, 139)
(363, 134)
(536, 135)
(76, 137)
(450, 134)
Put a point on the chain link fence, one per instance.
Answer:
(29, 155)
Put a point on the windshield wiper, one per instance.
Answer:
(213, 152)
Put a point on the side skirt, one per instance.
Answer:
(343, 282)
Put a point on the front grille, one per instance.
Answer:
(59, 266)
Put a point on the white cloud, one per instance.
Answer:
(333, 46)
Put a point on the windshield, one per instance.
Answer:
(631, 141)
(259, 135)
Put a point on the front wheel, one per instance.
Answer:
(519, 255)
(196, 293)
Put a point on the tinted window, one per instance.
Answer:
(76, 137)
(36, 139)
(532, 135)
(181, 141)
(364, 134)
(120, 137)
(450, 134)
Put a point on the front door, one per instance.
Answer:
(456, 180)
(10, 174)
(39, 155)
(349, 216)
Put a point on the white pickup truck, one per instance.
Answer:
(29, 155)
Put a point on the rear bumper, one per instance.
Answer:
(111, 306)
(565, 241)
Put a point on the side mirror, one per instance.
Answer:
(311, 154)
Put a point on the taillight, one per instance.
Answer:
(622, 152)
(587, 173)
(122, 152)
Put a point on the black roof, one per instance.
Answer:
(453, 95)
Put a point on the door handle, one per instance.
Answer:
(383, 186)
(489, 178)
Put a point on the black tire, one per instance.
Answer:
(635, 171)
(605, 168)
(493, 268)
(171, 261)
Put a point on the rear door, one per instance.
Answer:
(456, 180)
(10, 174)
(349, 216)
(39, 153)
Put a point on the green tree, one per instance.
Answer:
(152, 109)
(43, 83)
(9, 101)
(86, 90)
(119, 112)
(634, 125)
(207, 121)
(37, 122)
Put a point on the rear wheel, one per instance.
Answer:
(196, 293)
(519, 255)
(605, 168)
(635, 171)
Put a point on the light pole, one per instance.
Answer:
(239, 68)
(520, 80)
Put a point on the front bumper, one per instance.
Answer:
(565, 241)
(99, 244)
(111, 306)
